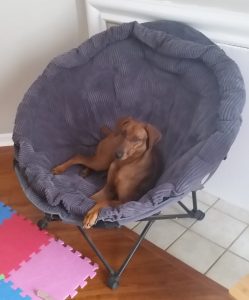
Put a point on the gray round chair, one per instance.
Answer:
(165, 73)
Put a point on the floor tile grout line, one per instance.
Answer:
(229, 247)
(210, 206)
(131, 228)
(236, 219)
(225, 213)
(186, 229)
(220, 210)
(207, 239)
(226, 251)
(214, 263)
(135, 226)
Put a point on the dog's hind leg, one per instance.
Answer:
(92, 162)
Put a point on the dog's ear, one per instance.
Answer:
(154, 135)
(122, 122)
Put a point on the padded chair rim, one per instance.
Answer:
(229, 114)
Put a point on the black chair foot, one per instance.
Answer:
(113, 282)
(43, 223)
(198, 214)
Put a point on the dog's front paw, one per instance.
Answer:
(58, 170)
(91, 217)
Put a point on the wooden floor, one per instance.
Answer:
(152, 273)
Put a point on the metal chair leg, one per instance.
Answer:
(195, 212)
(113, 280)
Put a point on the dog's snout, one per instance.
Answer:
(119, 154)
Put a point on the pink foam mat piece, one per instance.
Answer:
(55, 270)
(19, 238)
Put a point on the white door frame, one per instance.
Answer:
(220, 25)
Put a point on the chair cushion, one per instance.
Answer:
(165, 73)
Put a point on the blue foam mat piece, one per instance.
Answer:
(7, 293)
(5, 212)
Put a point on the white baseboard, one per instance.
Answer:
(6, 139)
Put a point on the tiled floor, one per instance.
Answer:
(217, 246)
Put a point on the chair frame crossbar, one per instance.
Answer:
(115, 275)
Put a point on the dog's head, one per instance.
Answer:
(136, 138)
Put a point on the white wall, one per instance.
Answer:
(32, 33)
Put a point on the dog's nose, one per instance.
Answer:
(119, 154)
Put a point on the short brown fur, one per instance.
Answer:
(127, 153)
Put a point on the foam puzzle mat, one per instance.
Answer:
(5, 212)
(8, 293)
(33, 265)
(18, 238)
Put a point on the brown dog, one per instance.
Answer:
(127, 153)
